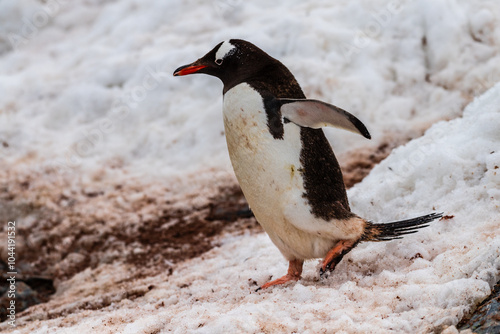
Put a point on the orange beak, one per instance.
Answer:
(188, 69)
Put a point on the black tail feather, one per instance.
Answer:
(395, 230)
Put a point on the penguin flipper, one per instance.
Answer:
(316, 114)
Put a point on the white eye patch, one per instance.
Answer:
(225, 50)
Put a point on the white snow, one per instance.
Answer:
(422, 283)
(91, 87)
(87, 95)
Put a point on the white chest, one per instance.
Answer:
(264, 166)
(269, 172)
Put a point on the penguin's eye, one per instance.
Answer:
(218, 61)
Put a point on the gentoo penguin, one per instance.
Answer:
(283, 161)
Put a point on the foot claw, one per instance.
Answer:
(335, 255)
(294, 272)
(325, 269)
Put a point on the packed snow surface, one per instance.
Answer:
(88, 96)
(423, 283)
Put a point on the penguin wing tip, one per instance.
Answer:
(316, 114)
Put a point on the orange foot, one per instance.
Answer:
(335, 255)
(293, 274)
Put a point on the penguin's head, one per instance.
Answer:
(232, 61)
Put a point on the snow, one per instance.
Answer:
(88, 97)
(422, 283)
(110, 98)
(412, 285)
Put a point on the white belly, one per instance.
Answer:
(268, 171)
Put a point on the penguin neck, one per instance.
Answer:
(273, 77)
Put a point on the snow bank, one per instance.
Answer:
(88, 87)
(88, 101)
(423, 283)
